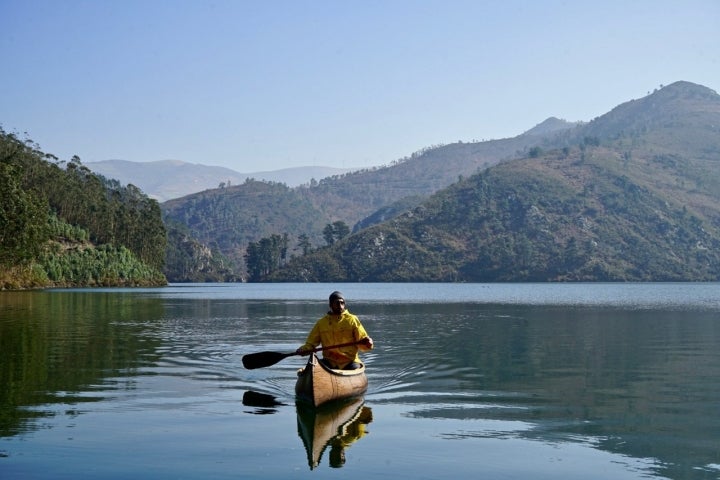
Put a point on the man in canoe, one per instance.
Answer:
(338, 326)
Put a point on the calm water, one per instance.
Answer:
(508, 381)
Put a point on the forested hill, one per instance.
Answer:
(356, 195)
(62, 225)
(633, 195)
(225, 221)
(210, 231)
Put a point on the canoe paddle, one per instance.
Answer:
(266, 359)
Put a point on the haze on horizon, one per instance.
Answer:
(259, 86)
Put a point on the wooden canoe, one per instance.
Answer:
(318, 384)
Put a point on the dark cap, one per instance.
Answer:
(336, 296)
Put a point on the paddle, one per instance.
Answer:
(266, 359)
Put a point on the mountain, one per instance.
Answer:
(353, 197)
(228, 219)
(633, 195)
(168, 179)
(551, 125)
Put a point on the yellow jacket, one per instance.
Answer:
(334, 330)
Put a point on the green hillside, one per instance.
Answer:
(61, 225)
(227, 220)
(631, 196)
(354, 196)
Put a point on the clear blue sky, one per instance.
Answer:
(263, 85)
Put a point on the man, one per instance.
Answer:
(336, 327)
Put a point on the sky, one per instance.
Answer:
(258, 85)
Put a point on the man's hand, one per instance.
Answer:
(367, 342)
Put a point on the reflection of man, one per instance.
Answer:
(354, 431)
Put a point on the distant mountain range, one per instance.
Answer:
(168, 179)
(633, 195)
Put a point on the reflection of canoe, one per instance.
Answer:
(318, 384)
(335, 424)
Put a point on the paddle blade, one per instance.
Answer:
(263, 359)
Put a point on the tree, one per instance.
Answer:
(335, 231)
(535, 152)
(341, 230)
(265, 256)
(23, 219)
(304, 244)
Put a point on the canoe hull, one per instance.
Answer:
(317, 384)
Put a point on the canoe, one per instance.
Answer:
(318, 384)
(334, 425)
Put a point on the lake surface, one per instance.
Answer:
(513, 381)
